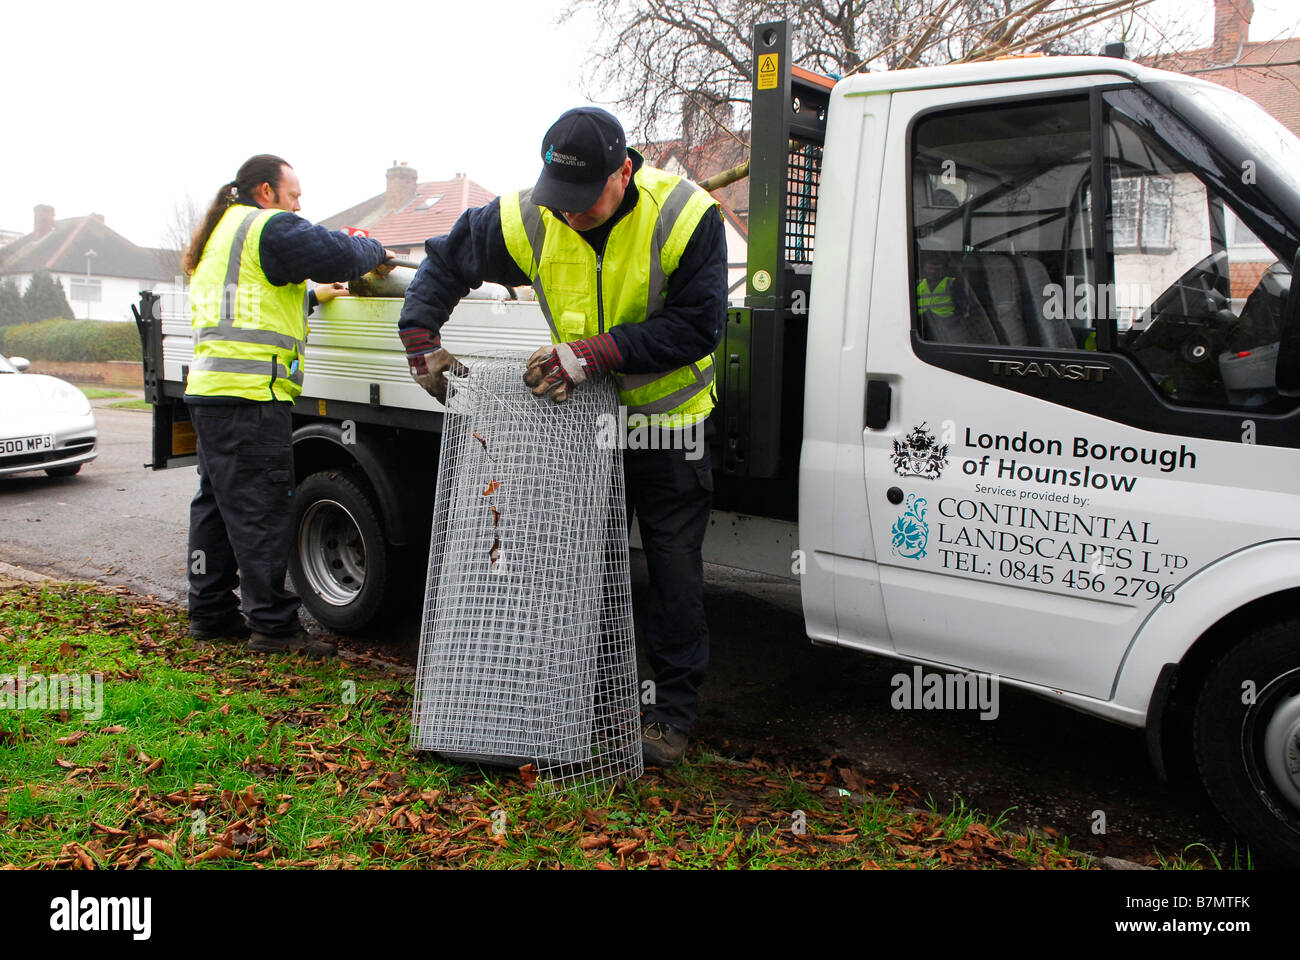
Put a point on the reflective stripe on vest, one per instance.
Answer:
(249, 334)
(938, 300)
(641, 252)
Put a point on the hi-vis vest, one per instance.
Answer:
(582, 294)
(249, 334)
(938, 300)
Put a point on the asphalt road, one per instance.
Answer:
(769, 690)
(115, 521)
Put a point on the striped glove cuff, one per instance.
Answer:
(419, 342)
(599, 354)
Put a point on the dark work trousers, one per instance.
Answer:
(241, 520)
(671, 491)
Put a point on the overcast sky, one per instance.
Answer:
(124, 108)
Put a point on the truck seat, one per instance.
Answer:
(1043, 331)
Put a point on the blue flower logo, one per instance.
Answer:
(911, 534)
(549, 152)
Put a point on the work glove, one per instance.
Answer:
(428, 362)
(555, 371)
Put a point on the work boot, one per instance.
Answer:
(662, 745)
(231, 627)
(300, 642)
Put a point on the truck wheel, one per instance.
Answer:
(1246, 732)
(340, 564)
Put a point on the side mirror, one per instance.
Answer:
(1288, 354)
(20, 363)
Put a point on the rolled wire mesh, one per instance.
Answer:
(527, 650)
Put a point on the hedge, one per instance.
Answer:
(84, 340)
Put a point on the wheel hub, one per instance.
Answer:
(332, 552)
(1282, 749)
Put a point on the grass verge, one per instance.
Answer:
(204, 755)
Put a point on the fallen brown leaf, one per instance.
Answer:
(83, 859)
(215, 852)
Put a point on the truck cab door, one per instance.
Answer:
(1064, 444)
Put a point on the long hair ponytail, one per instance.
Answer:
(263, 168)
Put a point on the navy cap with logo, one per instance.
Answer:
(579, 153)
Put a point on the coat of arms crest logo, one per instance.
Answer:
(920, 455)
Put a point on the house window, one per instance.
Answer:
(1241, 234)
(1144, 213)
(85, 291)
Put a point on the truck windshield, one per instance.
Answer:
(1205, 209)
(1259, 156)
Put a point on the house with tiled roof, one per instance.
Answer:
(408, 212)
(101, 271)
(1266, 71)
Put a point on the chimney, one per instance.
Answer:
(44, 220)
(401, 186)
(1231, 28)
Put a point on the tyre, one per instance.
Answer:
(69, 470)
(340, 563)
(1246, 732)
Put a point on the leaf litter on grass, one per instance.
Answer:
(207, 756)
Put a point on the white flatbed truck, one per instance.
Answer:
(989, 424)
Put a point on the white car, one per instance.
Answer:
(45, 424)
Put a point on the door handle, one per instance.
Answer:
(879, 404)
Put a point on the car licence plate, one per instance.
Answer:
(19, 445)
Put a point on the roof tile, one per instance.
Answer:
(431, 213)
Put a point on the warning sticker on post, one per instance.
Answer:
(767, 71)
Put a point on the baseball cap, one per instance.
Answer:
(579, 153)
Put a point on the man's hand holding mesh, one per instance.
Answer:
(555, 371)
(428, 362)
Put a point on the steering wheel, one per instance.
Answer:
(1186, 329)
(1190, 317)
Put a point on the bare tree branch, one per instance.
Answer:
(177, 233)
(684, 67)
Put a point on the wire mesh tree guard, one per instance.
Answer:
(527, 649)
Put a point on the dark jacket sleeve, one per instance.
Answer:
(294, 250)
(695, 308)
(473, 253)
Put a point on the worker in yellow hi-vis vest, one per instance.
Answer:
(249, 262)
(947, 310)
(629, 264)
(935, 291)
